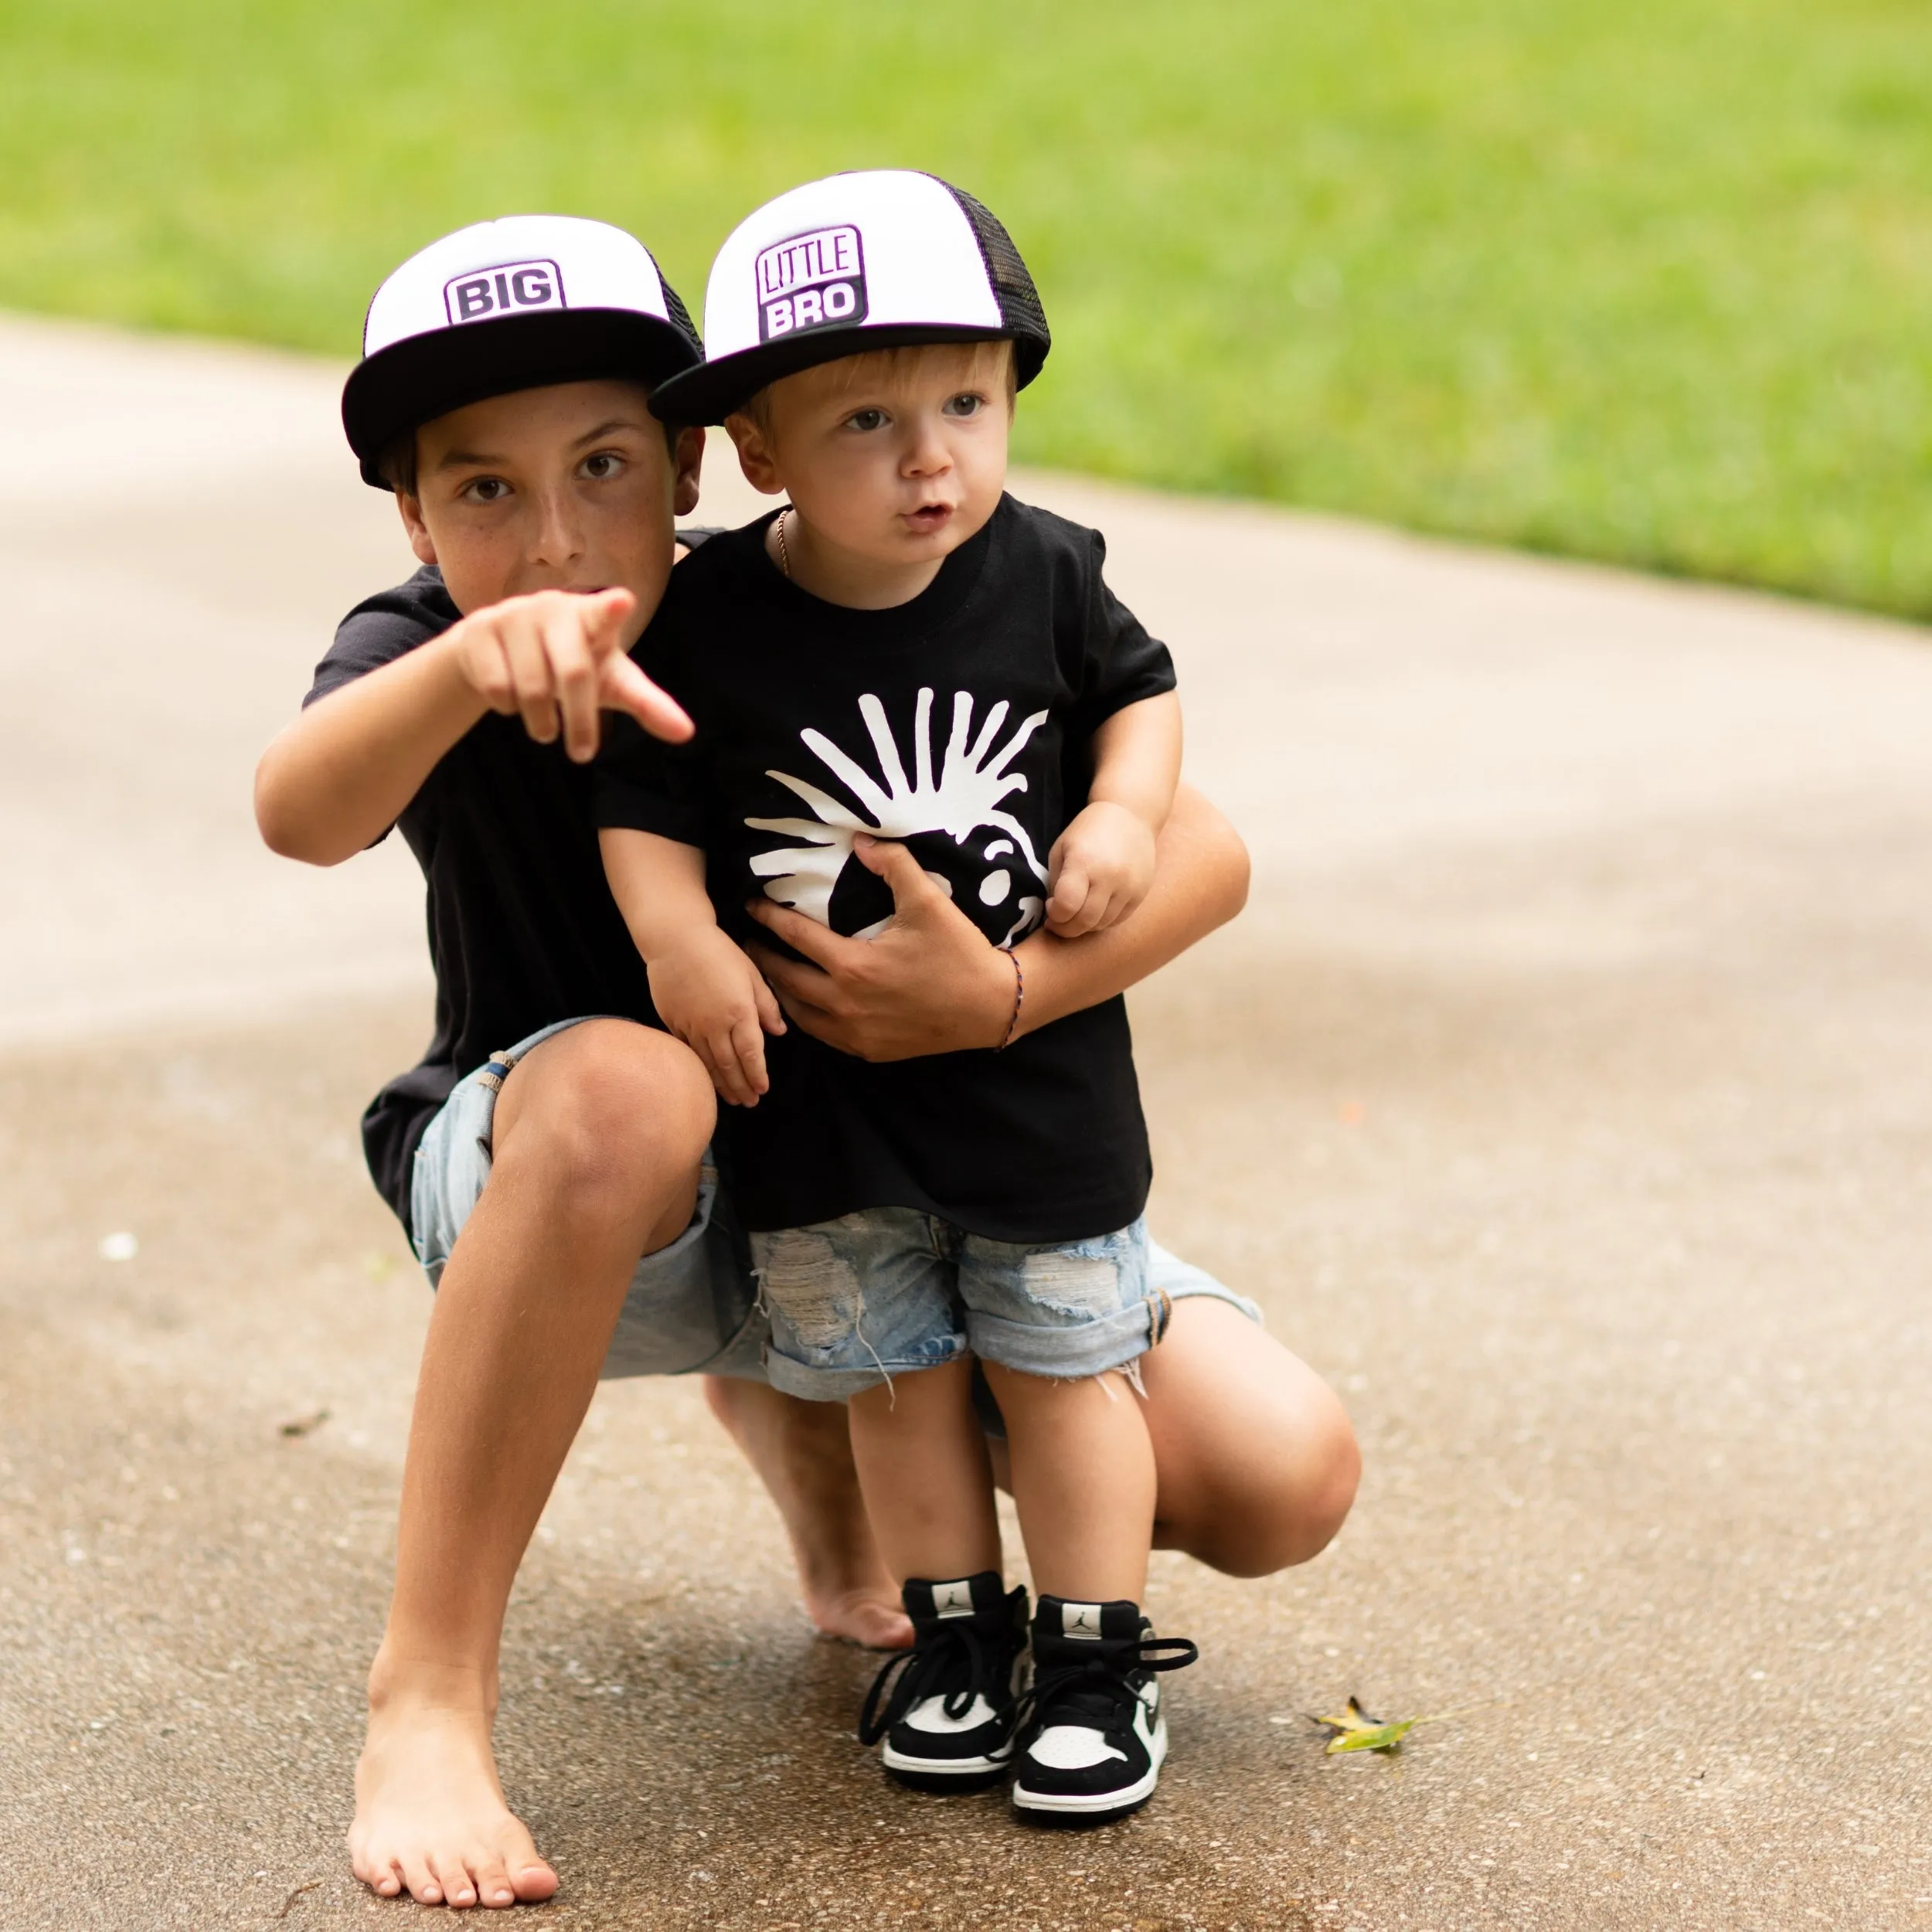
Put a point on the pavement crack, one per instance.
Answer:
(288, 1903)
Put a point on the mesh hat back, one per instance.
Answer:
(1019, 303)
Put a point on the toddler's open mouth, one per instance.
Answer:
(928, 518)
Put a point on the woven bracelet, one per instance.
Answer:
(1019, 1000)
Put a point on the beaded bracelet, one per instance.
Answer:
(1019, 1000)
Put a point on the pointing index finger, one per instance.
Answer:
(625, 688)
(604, 622)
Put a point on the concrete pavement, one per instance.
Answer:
(1563, 1096)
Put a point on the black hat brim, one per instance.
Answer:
(413, 382)
(712, 391)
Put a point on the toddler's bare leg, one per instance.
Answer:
(921, 1457)
(1083, 1480)
(1255, 1460)
(598, 1137)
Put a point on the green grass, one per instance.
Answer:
(1650, 282)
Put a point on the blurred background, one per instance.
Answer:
(1564, 1094)
(1650, 283)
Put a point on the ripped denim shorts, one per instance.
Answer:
(888, 1291)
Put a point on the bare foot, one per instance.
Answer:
(873, 1618)
(802, 1453)
(429, 1815)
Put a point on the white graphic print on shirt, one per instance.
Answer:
(973, 783)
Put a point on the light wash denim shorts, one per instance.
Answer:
(890, 1291)
(693, 1308)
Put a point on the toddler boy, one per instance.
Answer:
(904, 652)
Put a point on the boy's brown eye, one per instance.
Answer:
(600, 467)
(866, 419)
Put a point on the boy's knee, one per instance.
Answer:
(1335, 1472)
(642, 1093)
(617, 1109)
(1309, 1512)
(1272, 1519)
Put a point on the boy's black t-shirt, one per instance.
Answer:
(522, 930)
(960, 723)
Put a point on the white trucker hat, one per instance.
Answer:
(867, 261)
(517, 303)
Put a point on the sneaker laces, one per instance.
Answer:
(1088, 1690)
(956, 1663)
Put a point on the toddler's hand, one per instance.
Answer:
(1098, 870)
(712, 997)
(560, 654)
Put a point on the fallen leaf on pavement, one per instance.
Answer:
(1355, 1730)
(305, 1425)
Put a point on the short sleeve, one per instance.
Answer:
(379, 631)
(382, 628)
(1120, 664)
(640, 783)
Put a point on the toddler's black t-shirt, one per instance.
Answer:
(960, 723)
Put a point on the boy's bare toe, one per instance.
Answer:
(493, 1884)
(451, 1877)
(421, 1881)
(384, 1884)
(534, 1882)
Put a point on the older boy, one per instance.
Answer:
(504, 407)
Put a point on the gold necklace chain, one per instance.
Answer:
(784, 555)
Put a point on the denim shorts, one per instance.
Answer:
(890, 1291)
(693, 1307)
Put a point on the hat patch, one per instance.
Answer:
(512, 288)
(816, 281)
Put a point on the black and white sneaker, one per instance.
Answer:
(948, 1707)
(1092, 1734)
